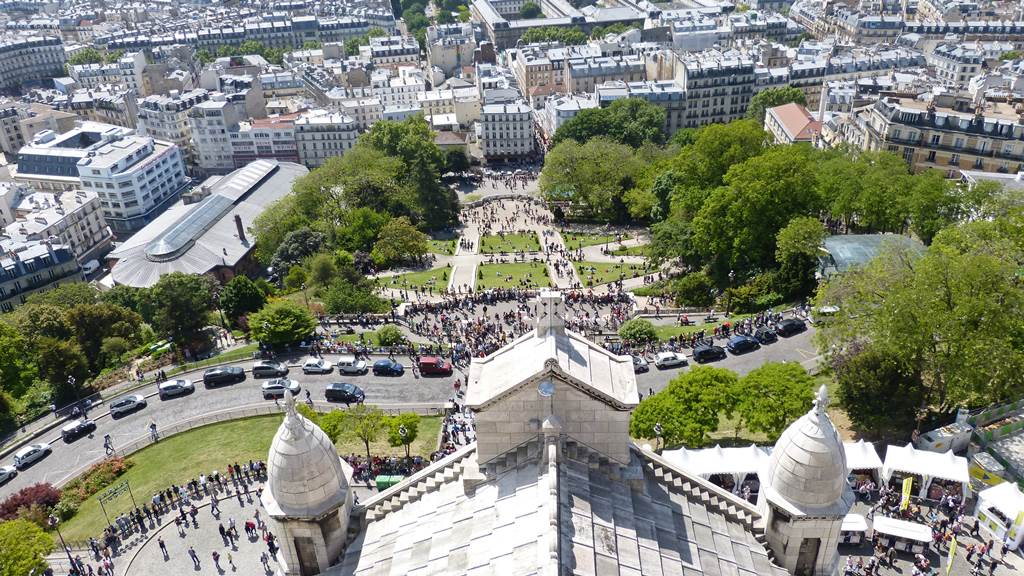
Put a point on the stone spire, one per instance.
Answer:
(551, 313)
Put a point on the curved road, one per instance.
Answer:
(386, 392)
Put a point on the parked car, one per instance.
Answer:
(268, 369)
(434, 366)
(127, 404)
(791, 326)
(344, 392)
(275, 388)
(665, 360)
(708, 353)
(741, 344)
(76, 429)
(223, 375)
(7, 473)
(348, 364)
(175, 388)
(765, 335)
(640, 364)
(316, 366)
(33, 452)
(387, 367)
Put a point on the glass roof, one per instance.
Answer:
(184, 233)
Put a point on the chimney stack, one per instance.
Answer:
(240, 228)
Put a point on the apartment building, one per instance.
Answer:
(392, 51)
(506, 131)
(11, 138)
(582, 75)
(365, 111)
(126, 72)
(209, 122)
(30, 59)
(37, 117)
(540, 69)
(271, 138)
(718, 86)
(26, 269)
(957, 62)
(320, 134)
(461, 103)
(948, 133)
(791, 123)
(50, 161)
(561, 109)
(665, 94)
(450, 47)
(136, 178)
(73, 218)
(111, 105)
(166, 118)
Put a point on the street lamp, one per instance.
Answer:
(728, 293)
(403, 432)
(53, 521)
(71, 383)
(305, 296)
(657, 435)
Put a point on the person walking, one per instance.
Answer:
(216, 559)
(195, 557)
(163, 547)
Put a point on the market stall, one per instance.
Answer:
(1000, 510)
(853, 530)
(863, 463)
(730, 468)
(933, 472)
(905, 536)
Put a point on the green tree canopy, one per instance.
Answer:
(241, 296)
(630, 121)
(638, 330)
(182, 302)
(879, 394)
(594, 176)
(365, 423)
(530, 9)
(399, 242)
(85, 56)
(567, 36)
(772, 396)
(281, 322)
(688, 408)
(771, 98)
(93, 323)
(390, 335)
(23, 548)
(411, 422)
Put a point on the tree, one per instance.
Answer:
(771, 396)
(35, 320)
(797, 247)
(1011, 55)
(311, 45)
(17, 369)
(695, 289)
(365, 423)
(281, 322)
(203, 56)
(399, 242)
(182, 302)
(455, 160)
(241, 296)
(411, 422)
(629, 121)
(23, 548)
(594, 176)
(66, 295)
(296, 246)
(529, 10)
(85, 56)
(390, 335)
(638, 330)
(322, 269)
(296, 278)
(568, 36)
(879, 394)
(93, 323)
(57, 361)
(771, 98)
(345, 297)
(688, 408)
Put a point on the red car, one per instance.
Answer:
(432, 365)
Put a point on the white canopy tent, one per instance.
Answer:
(1000, 510)
(909, 536)
(737, 462)
(928, 466)
(861, 456)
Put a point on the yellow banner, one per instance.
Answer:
(908, 486)
(952, 552)
(1020, 519)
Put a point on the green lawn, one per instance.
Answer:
(240, 353)
(576, 240)
(594, 273)
(642, 250)
(510, 275)
(666, 332)
(509, 243)
(442, 247)
(180, 458)
(436, 278)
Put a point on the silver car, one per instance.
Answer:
(175, 388)
(275, 388)
(26, 456)
(127, 404)
(7, 473)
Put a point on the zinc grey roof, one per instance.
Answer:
(196, 238)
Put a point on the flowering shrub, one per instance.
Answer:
(43, 495)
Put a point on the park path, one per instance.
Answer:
(595, 253)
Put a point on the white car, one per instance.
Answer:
(26, 456)
(7, 473)
(127, 404)
(669, 360)
(316, 366)
(175, 388)
(275, 388)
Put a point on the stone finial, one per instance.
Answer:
(292, 419)
(550, 313)
(821, 400)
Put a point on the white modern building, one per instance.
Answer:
(320, 134)
(50, 161)
(506, 131)
(136, 178)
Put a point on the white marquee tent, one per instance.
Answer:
(862, 457)
(928, 466)
(737, 462)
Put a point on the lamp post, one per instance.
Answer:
(728, 293)
(403, 432)
(658, 430)
(71, 383)
(53, 521)
(305, 296)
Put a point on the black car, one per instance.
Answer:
(708, 353)
(76, 429)
(223, 375)
(344, 392)
(791, 326)
(765, 335)
(268, 369)
(741, 344)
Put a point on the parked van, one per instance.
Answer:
(347, 364)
